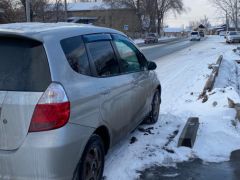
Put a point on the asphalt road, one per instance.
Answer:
(154, 52)
(196, 170)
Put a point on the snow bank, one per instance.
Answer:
(227, 74)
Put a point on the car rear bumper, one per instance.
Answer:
(46, 155)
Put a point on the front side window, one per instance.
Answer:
(103, 58)
(76, 54)
(129, 57)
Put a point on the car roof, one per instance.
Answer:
(44, 31)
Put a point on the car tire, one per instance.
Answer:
(155, 109)
(91, 165)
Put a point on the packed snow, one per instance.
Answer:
(183, 76)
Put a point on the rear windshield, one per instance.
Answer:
(23, 65)
(194, 33)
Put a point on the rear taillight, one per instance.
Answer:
(52, 110)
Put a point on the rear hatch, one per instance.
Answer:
(24, 76)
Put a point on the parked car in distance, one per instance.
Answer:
(202, 34)
(151, 38)
(195, 36)
(68, 94)
(232, 37)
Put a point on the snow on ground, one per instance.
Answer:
(183, 75)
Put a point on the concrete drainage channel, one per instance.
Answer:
(189, 133)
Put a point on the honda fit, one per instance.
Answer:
(68, 93)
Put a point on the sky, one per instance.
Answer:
(196, 9)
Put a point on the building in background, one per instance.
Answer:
(176, 32)
(101, 14)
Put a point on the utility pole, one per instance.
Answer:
(65, 10)
(236, 14)
(28, 11)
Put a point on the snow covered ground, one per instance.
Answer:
(183, 75)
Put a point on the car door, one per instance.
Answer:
(114, 88)
(133, 63)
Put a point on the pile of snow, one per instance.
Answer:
(183, 76)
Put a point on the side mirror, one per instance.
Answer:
(152, 66)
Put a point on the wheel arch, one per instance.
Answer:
(103, 132)
(159, 88)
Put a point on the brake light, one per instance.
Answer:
(52, 110)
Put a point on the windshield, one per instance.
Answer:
(194, 33)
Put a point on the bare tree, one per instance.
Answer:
(151, 12)
(204, 21)
(45, 10)
(230, 8)
(193, 24)
(165, 6)
(137, 5)
(58, 10)
(9, 8)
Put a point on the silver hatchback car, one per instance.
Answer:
(68, 93)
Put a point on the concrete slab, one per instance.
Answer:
(189, 133)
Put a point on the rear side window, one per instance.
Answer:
(103, 58)
(23, 65)
(76, 54)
